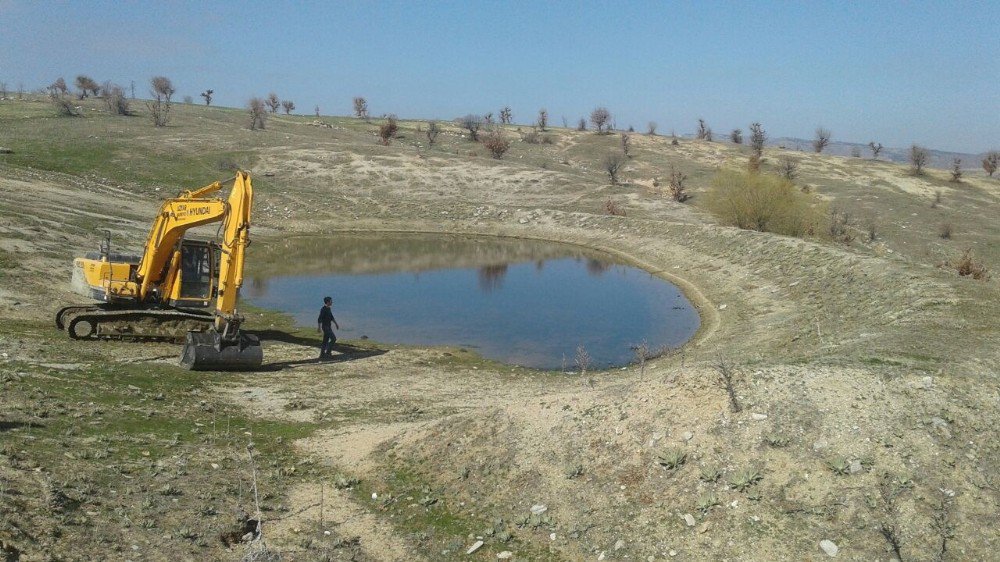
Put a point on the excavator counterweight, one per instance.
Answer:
(178, 289)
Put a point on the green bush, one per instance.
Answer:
(764, 203)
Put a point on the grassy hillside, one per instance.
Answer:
(866, 371)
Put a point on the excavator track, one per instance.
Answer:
(138, 325)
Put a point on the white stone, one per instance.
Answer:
(552, 536)
(539, 509)
(505, 555)
(758, 417)
(688, 436)
(722, 306)
(601, 556)
(689, 519)
(855, 467)
(620, 544)
(475, 546)
(829, 547)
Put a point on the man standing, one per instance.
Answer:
(324, 320)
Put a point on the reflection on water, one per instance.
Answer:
(521, 302)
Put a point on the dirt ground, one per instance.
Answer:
(864, 372)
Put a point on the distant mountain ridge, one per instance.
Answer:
(938, 158)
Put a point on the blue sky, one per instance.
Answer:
(895, 72)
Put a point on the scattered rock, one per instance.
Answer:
(829, 547)
(620, 544)
(600, 556)
(688, 436)
(927, 382)
(475, 546)
(722, 306)
(758, 417)
(689, 519)
(539, 509)
(505, 555)
(820, 445)
(5, 150)
(855, 467)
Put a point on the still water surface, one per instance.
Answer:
(520, 302)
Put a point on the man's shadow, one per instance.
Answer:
(343, 352)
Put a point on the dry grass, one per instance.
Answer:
(967, 266)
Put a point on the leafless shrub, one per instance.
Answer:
(600, 117)
(543, 118)
(788, 168)
(991, 162)
(472, 123)
(937, 199)
(703, 133)
(207, 94)
(678, 192)
(967, 266)
(488, 118)
(188, 100)
(728, 379)
(582, 360)
(673, 139)
(505, 115)
(822, 139)
(272, 102)
(838, 225)
(159, 110)
(86, 85)
(612, 207)
(288, 106)
(626, 140)
(651, 128)
(918, 159)
(115, 100)
(387, 131)
(258, 113)
(757, 139)
(945, 231)
(736, 136)
(534, 137)
(496, 142)
(432, 132)
(64, 106)
(642, 354)
(316, 111)
(875, 148)
(360, 108)
(871, 229)
(613, 164)
(162, 87)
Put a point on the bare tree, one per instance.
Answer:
(876, 148)
(543, 118)
(991, 162)
(58, 87)
(581, 125)
(956, 170)
(651, 128)
(918, 159)
(472, 123)
(272, 102)
(188, 100)
(86, 84)
(288, 106)
(736, 136)
(258, 113)
(207, 94)
(757, 139)
(600, 117)
(159, 106)
(626, 140)
(505, 115)
(496, 142)
(613, 164)
(387, 131)
(361, 108)
(432, 132)
(162, 87)
(316, 111)
(64, 106)
(822, 139)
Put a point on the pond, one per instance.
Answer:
(535, 304)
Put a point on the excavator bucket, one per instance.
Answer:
(206, 351)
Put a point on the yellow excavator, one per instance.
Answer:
(179, 288)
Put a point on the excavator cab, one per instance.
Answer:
(199, 268)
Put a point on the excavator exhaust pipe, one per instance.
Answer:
(207, 351)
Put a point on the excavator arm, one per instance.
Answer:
(225, 346)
